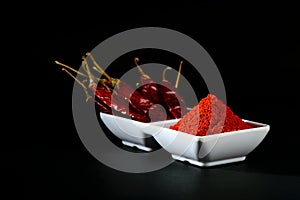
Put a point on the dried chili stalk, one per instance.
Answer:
(102, 95)
(173, 101)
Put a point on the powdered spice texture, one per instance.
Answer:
(207, 118)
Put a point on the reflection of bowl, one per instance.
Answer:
(130, 132)
(208, 150)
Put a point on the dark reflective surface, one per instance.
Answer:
(74, 174)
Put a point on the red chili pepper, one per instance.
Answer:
(102, 108)
(114, 95)
(125, 91)
(118, 103)
(151, 110)
(103, 94)
(147, 96)
(130, 105)
(148, 88)
(122, 93)
(170, 100)
(174, 102)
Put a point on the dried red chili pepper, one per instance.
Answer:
(102, 97)
(102, 108)
(125, 91)
(173, 101)
(121, 99)
(151, 110)
(119, 103)
(103, 94)
(115, 95)
(131, 105)
(147, 96)
(148, 88)
(207, 117)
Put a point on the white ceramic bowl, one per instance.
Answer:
(130, 132)
(209, 150)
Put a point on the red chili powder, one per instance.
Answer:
(210, 112)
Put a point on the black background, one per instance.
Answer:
(256, 49)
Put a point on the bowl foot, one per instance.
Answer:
(141, 147)
(208, 163)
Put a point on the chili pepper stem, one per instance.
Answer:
(178, 75)
(136, 60)
(97, 70)
(113, 81)
(98, 67)
(164, 74)
(80, 83)
(70, 68)
(87, 68)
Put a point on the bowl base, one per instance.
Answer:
(141, 147)
(209, 163)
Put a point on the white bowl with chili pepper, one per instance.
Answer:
(130, 132)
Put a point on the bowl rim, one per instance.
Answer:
(138, 122)
(259, 126)
(122, 118)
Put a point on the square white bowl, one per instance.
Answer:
(130, 132)
(208, 150)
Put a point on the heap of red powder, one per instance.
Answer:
(207, 118)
